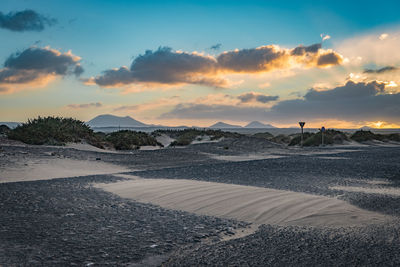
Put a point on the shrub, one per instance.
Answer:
(296, 140)
(281, 139)
(4, 129)
(393, 137)
(363, 136)
(315, 139)
(265, 135)
(127, 139)
(53, 131)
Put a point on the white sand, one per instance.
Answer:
(244, 203)
(393, 191)
(248, 157)
(165, 140)
(333, 158)
(203, 139)
(371, 182)
(45, 169)
(149, 148)
(87, 147)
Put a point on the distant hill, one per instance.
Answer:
(257, 124)
(223, 125)
(10, 124)
(366, 128)
(108, 120)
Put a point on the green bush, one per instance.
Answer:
(296, 139)
(53, 131)
(393, 137)
(265, 135)
(4, 129)
(315, 139)
(126, 140)
(281, 139)
(363, 136)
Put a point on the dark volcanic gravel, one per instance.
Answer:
(300, 246)
(67, 222)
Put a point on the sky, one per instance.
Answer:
(329, 63)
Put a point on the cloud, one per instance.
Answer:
(149, 106)
(83, 106)
(27, 20)
(167, 67)
(328, 59)
(376, 49)
(259, 59)
(364, 101)
(325, 37)
(383, 36)
(302, 50)
(216, 47)
(36, 67)
(164, 66)
(255, 97)
(381, 70)
(353, 101)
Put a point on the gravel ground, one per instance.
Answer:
(300, 246)
(68, 222)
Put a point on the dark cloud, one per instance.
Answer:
(253, 60)
(216, 47)
(78, 70)
(27, 20)
(88, 105)
(43, 60)
(381, 70)
(351, 102)
(165, 66)
(35, 65)
(328, 59)
(254, 97)
(301, 50)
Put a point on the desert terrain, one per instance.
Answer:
(236, 202)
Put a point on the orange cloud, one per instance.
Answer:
(167, 67)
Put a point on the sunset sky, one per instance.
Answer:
(332, 63)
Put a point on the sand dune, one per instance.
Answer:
(245, 203)
(41, 169)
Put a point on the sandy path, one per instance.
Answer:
(44, 169)
(244, 203)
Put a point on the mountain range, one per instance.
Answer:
(223, 125)
(257, 124)
(108, 120)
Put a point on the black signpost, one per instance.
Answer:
(322, 134)
(302, 123)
